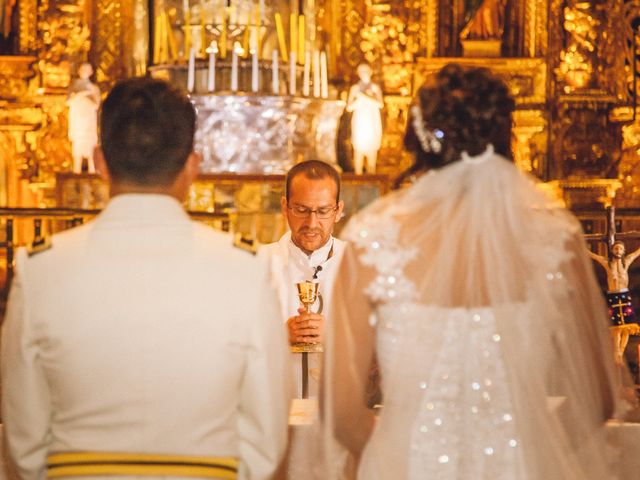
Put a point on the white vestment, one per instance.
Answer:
(290, 265)
(144, 332)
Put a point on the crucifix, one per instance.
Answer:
(616, 264)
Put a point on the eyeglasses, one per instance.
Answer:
(304, 212)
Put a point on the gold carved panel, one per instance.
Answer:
(28, 34)
(15, 75)
(119, 44)
(530, 140)
(526, 77)
(63, 41)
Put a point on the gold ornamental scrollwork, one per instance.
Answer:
(529, 143)
(392, 157)
(119, 48)
(526, 77)
(578, 56)
(64, 37)
(28, 26)
(15, 74)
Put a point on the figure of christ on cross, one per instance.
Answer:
(616, 266)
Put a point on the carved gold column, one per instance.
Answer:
(530, 141)
(28, 22)
(20, 117)
(119, 39)
(536, 33)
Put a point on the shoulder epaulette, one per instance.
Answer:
(39, 244)
(245, 243)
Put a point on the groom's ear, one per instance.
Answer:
(101, 164)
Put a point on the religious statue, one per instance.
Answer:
(365, 102)
(83, 102)
(623, 321)
(484, 20)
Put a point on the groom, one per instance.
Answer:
(142, 343)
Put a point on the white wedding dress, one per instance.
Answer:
(475, 292)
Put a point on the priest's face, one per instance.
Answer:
(311, 211)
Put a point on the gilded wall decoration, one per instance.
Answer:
(49, 144)
(586, 142)
(15, 75)
(390, 42)
(115, 53)
(392, 159)
(28, 34)
(428, 33)
(535, 28)
(530, 140)
(585, 138)
(63, 39)
(629, 168)
(614, 72)
(578, 56)
(526, 77)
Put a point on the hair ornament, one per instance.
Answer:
(430, 141)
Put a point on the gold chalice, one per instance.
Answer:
(308, 294)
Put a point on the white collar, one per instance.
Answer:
(316, 258)
(483, 157)
(146, 207)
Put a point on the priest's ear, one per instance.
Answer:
(101, 164)
(340, 212)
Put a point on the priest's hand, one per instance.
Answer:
(306, 327)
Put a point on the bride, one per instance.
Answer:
(474, 292)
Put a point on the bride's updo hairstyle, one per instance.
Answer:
(458, 109)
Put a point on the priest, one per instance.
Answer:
(307, 252)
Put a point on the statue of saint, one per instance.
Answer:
(484, 20)
(618, 296)
(83, 102)
(365, 102)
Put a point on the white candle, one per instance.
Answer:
(275, 83)
(191, 72)
(292, 74)
(234, 70)
(211, 83)
(316, 73)
(254, 72)
(324, 80)
(306, 75)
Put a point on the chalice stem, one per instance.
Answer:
(305, 375)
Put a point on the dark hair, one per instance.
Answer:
(471, 107)
(314, 170)
(146, 131)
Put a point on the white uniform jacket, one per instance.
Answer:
(144, 332)
(290, 265)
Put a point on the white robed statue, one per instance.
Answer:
(83, 102)
(365, 101)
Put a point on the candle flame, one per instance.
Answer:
(213, 47)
